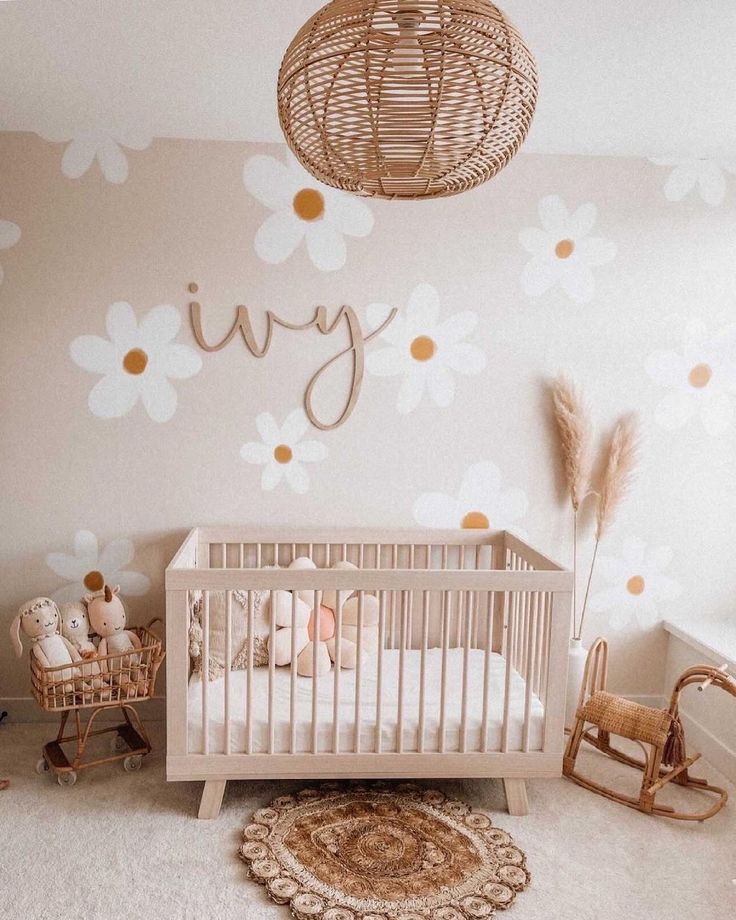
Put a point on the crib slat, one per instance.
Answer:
(359, 673)
(402, 653)
(241, 555)
(315, 673)
(249, 680)
(466, 667)
(509, 619)
(529, 669)
(446, 620)
(338, 667)
(488, 652)
(228, 663)
(379, 667)
(423, 670)
(205, 672)
(292, 678)
(271, 680)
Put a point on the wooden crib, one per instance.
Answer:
(468, 679)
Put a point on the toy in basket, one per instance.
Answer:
(122, 671)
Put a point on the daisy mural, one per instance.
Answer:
(9, 236)
(136, 362)
(423, 351)
(637, 586)
(84, 147)
(708, 176)
(563, 251)
(304, 210)
(482, 502)
(88, 569)
(282, 452)
(700, 378)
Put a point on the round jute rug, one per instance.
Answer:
(378, 852)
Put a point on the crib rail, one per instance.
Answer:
(467, 679)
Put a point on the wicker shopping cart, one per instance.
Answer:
(128, 679)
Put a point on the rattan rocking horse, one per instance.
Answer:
(659, 732)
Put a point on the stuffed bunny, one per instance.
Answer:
(75, 628)
(107, 618)
(39, 620)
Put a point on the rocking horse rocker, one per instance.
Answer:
(659, 733)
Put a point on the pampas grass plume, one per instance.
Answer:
(575, 431)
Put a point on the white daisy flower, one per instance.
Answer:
(704, 174)
(136, 362)
(9, 236)
(303, 209)
(425, 352)
(701, 379)
(282, 452)
(88, 570)
(106, 146)
(637, 584)
(481, 503)
(563, 251)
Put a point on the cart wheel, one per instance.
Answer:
(133, 763)
(67, 779)
(119, 745)
(41, 766)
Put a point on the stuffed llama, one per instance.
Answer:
(107, 619)
(39, 620)
(75, 628)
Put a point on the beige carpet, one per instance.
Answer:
(128, 845)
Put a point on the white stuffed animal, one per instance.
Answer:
(107, 618)
(75, 628)
(39, 620)
(317, 623)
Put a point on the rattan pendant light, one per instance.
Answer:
(406, 98)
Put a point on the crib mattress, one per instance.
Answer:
(368, 721)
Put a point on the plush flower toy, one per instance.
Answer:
(318, 624)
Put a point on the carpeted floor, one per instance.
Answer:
(128, 845)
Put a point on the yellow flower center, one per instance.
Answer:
(422, 348)
(135, 361)
(564, 249)
(635, 585)
(282, 453)
(94, 581)
(309, 204)
(475, 520)
(699, 376)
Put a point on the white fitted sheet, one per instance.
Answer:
(389, 722)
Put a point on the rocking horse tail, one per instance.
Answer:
(674, 747)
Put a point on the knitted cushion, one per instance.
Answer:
(630, 720)
(239, 642)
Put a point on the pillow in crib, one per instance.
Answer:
(239, 641)
(318, 621)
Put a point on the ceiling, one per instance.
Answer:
(624, 78)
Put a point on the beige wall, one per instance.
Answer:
(184, 213)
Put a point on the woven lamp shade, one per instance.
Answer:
(406, 98)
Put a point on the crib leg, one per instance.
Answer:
(516, 798)
(209, 804)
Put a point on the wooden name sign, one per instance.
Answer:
(345, 317)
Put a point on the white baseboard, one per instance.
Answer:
(26, 709)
